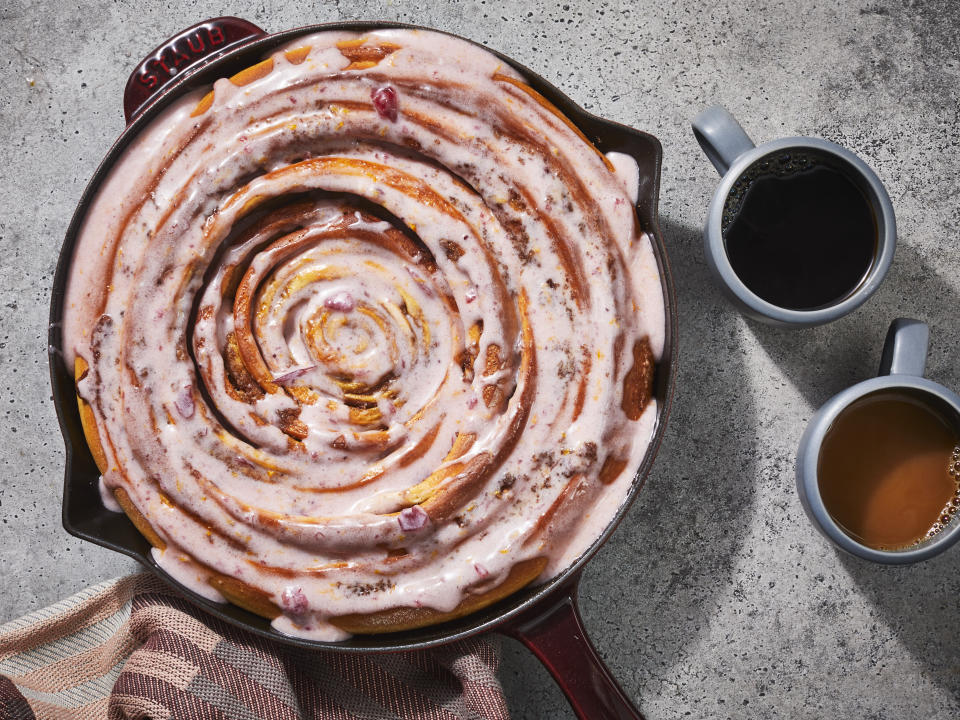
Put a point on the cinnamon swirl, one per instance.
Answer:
(364, 336)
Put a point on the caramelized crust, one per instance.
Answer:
(138, 520)
(296, 56)
(205, 103)
(386, 621)
(638, 382)
(87, 419)
(363, 56)
(252, 73)
(244, 595)
(410, 618)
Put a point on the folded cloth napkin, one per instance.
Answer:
(133, 648)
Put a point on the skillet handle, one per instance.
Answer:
(185, 52)
(554, 632)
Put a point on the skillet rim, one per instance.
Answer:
(117, 533)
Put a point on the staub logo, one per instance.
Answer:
(180, 53)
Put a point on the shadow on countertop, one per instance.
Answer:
(824, 360)
(650, 593)
(919, 603)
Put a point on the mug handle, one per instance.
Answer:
(905, 349)
(721, 137)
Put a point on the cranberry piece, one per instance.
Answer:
(184, 402)
(385, 102)
(288, 377)
(342, 301)
(412, 518)
(293, 600)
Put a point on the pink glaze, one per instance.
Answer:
(289, 489)
(107, 498)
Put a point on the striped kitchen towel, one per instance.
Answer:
(132, 648)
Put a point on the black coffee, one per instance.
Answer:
(799, 232)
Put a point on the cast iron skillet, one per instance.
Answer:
(545, 618)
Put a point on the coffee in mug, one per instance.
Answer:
(878, 464)
(799, 230)
(888, 469)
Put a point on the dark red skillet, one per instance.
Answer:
(544, 618)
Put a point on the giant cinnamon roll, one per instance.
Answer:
(364, 336)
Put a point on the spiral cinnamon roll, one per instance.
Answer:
(364, 336)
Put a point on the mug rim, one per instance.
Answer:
(886, 235)
(808, 458)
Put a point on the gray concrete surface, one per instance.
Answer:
(715, 599)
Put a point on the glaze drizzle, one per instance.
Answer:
(368, 326)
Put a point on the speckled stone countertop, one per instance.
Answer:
(715, 598)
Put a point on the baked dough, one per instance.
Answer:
(364, 336)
